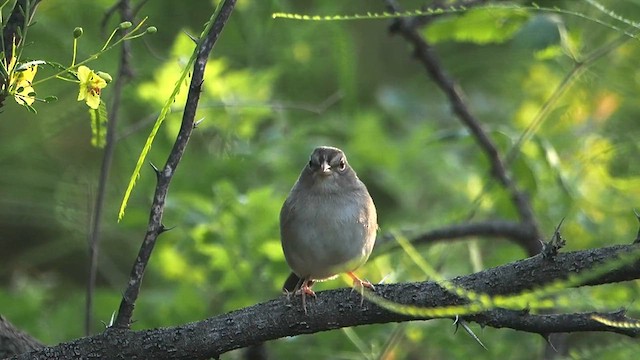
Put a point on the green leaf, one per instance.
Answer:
(64, 72)
(99, 121)
(30, 108)
(479, 26)
(56, 66)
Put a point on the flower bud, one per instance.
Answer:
(105, 76)
(77, 32)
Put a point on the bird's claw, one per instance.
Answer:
(304, 290)
(361, 284)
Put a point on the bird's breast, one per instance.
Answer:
(328, 234)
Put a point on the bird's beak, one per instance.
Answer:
(325, 168)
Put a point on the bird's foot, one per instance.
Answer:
(357, 282)
(305, 289)
(360, 284)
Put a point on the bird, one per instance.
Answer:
(328, 223)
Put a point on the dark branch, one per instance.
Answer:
(541, 324)
(155, 227)
(425, 53)
(14, 341)
(341, 308)
(509, 230)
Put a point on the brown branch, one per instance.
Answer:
(335, 309)
(425, 53)
(164, 176)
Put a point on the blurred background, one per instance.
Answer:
(275, 89)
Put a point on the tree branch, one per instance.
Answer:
(335, 309)
(164, 176)
(425, 53)
(511, 230)
(13, 341)
(551, 323)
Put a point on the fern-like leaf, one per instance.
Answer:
(163, 113)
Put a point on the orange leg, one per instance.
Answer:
(357, 282)
(305, 289)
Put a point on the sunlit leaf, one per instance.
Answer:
(480, 26)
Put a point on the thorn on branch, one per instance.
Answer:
(461, 322)
(155, 169)
(195, 124)
(193, 38)
(550, 249)
(547, 338)
(165, 229)
(456, 322)
(620, 314)
(111, 321)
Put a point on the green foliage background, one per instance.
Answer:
(274, 90)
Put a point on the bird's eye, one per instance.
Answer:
(342, 165)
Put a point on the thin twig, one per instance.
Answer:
(164, 175)
(124, 75)
(510, 230)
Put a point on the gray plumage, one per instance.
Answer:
(328, 223)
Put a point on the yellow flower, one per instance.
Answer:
(91, 84)
(20, 85)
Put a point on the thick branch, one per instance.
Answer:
(13, 341)
(155, 227)
(341, 308)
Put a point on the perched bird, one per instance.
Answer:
(328, 223)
